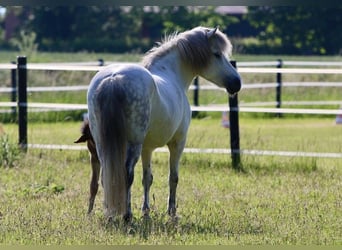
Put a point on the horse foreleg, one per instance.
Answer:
(176, 149)
(146, 180)
(94, 184)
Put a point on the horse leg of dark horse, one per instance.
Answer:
(146, 180)
(176, 149)
(94, 184)
(133, 153)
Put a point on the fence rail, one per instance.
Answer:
(239, 64)
(212, 108)
(202, 87)
(234, 109)
(290, 70)
(205, 151)
(290, 63)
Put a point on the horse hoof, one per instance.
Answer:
(172, 212)
(128, 217)
(89, 210)
(146, 211)
(146, 217)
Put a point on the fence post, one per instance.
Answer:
(101, 62)
(234, 129)
(196, 93)
(278, 88)
(22, 101)
(14, 90)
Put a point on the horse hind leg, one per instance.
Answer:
(146, 180)
(94, 184)
(133, 153)
(94, 161)
(176, 149)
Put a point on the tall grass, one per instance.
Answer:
(9, 152)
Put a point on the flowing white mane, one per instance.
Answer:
(193, 46)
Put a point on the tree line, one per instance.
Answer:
(117, 29)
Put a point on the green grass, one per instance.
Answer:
(278, 200)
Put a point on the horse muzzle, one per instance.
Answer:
(233, 85)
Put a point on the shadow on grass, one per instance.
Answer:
(184, 229)
(158, 224)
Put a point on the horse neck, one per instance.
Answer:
(171, 66)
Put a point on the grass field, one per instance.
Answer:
(278, 200)
(275, 200)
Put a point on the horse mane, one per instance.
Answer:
(193, 46)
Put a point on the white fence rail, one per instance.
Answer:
(212, 108)
(202, 87)
(205, 151)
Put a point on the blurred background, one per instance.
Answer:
(291, 30)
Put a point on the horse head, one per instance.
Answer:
(219, 70)
(206, 51)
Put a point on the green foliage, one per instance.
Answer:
(39, 189)
(296, 29)
(9, 152)
(26, 43)
(113, 28)
(181, 18)
(302, 30)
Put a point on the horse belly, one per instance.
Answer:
(163, 131)
(170, 117)
(156, 138)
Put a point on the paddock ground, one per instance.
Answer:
(276, 200)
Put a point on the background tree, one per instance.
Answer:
(117, 29)
(298, 29)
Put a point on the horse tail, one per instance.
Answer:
(113, 141)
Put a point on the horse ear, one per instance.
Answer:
(211, 32)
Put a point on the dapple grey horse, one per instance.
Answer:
(136, 108)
